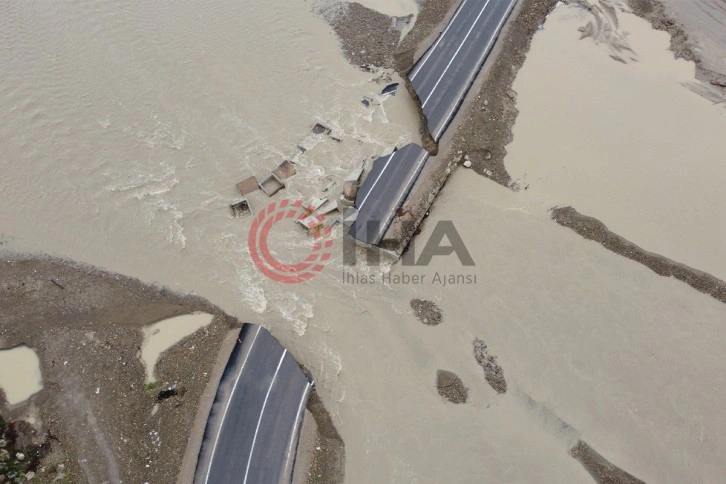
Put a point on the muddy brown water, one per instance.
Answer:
(124, 130)
(20, 375)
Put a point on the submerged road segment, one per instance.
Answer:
(441, 78)
(253, 426)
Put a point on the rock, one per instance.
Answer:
(350, 190)
(487, 156)
(4, 455)
(512, 94)
(20, 456)
(486, 103)
(29, 475)
(450, 386)
(467, 163)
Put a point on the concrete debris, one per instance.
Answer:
(271, 184)
(328, 207)
(240, 208)
(284, 170)
(390, 89)
(320, 129)
(314, 203)
(247, 186)
(355, 174)
(344, 204)
(312, 222)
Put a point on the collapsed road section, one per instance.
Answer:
(253, 427)
(441, 79)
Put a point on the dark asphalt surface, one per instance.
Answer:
(441, 78)
(252, 431)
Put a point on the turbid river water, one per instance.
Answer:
(123, 129)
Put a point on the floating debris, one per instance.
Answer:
(314, 203)
(390, 89)
(271, 184)
(312, 222)
(241, 208)
(248, 185)
(320, 129)
(285, 170)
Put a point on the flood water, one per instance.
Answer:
(609, 125)
(123, 129)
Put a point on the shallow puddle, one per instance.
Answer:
(392, 8)
(20, 376)
(161, 336)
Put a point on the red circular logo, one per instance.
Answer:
(267, 263)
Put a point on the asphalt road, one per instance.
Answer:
(253, 426)
(441, 78)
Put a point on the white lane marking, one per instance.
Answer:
(297, 417)
(420, 65)
(481, 60)
(455, 54)
(376, 180)
(224, 414)
(384, 226)
(262, 412)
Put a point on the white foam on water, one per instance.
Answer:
(20, 376)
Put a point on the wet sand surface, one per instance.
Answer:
(578, 332)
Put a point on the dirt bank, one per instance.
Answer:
(95, 419)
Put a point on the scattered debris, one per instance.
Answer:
(285, 170)
(390, 89)
(313, 204)
(312, 222)
(271, 184)
(241, 208)
(426, 311)
(320, 129)
(329, 207)
(247, 186)
(451, 387)
(492, 371)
